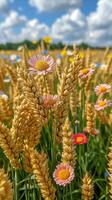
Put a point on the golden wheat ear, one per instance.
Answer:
(6, 191)
(110, 170)
(87, 187)
(39, 164)
(9, 146)
(69, 150)
(90, 118)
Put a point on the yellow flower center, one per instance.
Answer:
(85, 71)
(63, 174)
(102, 103)
(102, 89)
(79, 139)
(41, 65)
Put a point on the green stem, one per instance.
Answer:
(16, 185)
(70, 186)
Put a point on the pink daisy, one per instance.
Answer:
(102, 89)
(63, 174)
(102, 104)
(41, 64)
(50, 101)
(94, 132)
(85, 72)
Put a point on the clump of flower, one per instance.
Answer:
(63, 174)
(7, 80)
(45, 52)
(85, 72)
(101, 104)
(102, 89)
(59, 60)
(79, 138)
(69, 53)
(81, 54)
(3, 95)
(20, 48)
(63, 53)
(41, 64)
(104, 66)
(50, 101)
(94, 132)
(47, 39)
(71, 59)
(34, 41)
(15, 58)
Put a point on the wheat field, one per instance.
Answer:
(56, 124)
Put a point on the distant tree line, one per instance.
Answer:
(31, 45)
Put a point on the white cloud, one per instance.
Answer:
(13, 19)
(70, 27)
(74, 26)
(100, 24)
(7, 26)
(4, 4)
(94, 29)
(32, 30)
(46, 5)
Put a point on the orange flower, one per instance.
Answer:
(79, 138)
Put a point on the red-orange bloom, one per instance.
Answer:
(79, 138)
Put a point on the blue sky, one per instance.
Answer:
(67, 21)
(22, 6)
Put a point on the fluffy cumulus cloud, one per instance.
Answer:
(44, 5)
(32, 29)
(4, 5)
(70, 27)
(6, 27)
(95, 29)
(13, 19)
(100, 24)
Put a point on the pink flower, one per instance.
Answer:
(50, 101)
(79, 138)
(102, 104)
(41, 64)
(85, 72)
(102, 89)
(94, 132)
(63, 174)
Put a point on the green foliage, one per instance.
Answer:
(30, 45)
